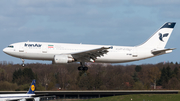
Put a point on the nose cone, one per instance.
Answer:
(10, 51)
(5, 50)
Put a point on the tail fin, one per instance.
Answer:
(160, 38)
(32, 87)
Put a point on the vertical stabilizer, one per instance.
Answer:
(159, 39)
(32, 87)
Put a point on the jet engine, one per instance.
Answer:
(63, 59)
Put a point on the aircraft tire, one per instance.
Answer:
(85, 68)
(80, 68)
(23, 65)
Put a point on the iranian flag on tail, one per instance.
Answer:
(50, 46)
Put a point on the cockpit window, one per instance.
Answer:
(11, 46)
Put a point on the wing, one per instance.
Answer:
(90, 55)
(165, 35)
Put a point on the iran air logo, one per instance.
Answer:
(32, 87)
(161, 36)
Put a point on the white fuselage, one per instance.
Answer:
(47, 51)
(4, 97)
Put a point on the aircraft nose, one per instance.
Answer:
(5, 50)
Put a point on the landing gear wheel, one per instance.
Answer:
(85, 68)
(23, 65)
(80, 68)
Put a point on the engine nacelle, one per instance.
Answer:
(63, 59)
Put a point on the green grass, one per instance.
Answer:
(139, 97)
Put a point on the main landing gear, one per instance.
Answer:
(82, 67)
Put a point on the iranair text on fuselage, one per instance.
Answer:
(33, 46)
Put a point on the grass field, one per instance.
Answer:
(135, 97)
(139, 97)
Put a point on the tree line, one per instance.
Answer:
(13, 77)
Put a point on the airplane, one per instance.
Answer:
(21, 97)
(60, 53)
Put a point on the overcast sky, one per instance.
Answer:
(106, 22)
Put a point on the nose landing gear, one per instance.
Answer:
(23, 63)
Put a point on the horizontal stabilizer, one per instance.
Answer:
(162, 51)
